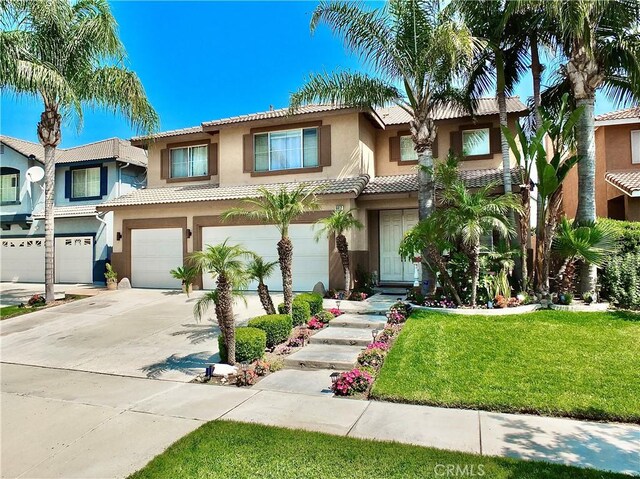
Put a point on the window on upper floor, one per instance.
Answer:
(85, 183)
(189, 161)
(407, 149)
(476, 142)
(284, 150)
(9, 185)
(635, 147)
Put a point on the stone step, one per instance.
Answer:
(343, 336)
(362, 321)
(324, 356)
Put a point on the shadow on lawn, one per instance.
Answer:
(625, 315)
(588, 444)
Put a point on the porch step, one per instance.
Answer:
(362, 321)
(323, 356)
(342, 336)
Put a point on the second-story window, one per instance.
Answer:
(283, 150)
(85, 183)
(407, 149)
(476, 142)
(9, 185)
(189, 161)
(635, 147)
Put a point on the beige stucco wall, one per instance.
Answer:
(368, 135)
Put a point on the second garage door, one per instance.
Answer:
(310, 258)
(155, 252)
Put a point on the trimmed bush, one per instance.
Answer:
(300, 311)
(621, 280)
(277, 327)
(250, 345)
(314, 300)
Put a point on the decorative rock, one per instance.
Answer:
(320, 289)
(224, 370)
(124, 284)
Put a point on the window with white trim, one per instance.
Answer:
(407, 149)
(635, 147)
(476, 142)
(9, 186)
(85, 182)
(287, 149)
(189, 161)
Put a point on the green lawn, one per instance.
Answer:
(583, 365)
(8, 311)
(234, 450)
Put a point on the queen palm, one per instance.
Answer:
(225, 263)
(258, 270)
(410, 43)
(338, 223)
(470, 215)
(279, 208)
(69, 55)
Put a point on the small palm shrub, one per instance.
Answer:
(277, 327)
(250, 345)
(300, 311)
(314, 300)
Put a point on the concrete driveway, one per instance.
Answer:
(16, 293)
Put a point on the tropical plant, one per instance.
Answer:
(224, 262)
(68, 54)
(186, 274)
(258, 270)
(416, 53)
(110, 274)
(338, 223)
(279, 208)
(590, 243)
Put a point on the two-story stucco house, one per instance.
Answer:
(359, 159)
(85, 177)
(617, 138)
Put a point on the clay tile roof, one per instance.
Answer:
(163, 134)
(395, 115)
(209, 192)
(409, 183)
(100, 150)
(626, 181)
(279, 113)
(68, 211)
(626, 114)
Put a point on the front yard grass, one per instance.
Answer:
(222, 449)
(581, 365)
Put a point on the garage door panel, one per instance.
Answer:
(74, 259)
(310, 258)
(155, 252)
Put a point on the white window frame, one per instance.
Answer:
(402, 160)
(471, 130)
(635, 147)
(87, 196)
(188, 148)
(16, 198)
(268, 133)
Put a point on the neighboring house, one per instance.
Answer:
(617, 139)
(85, 177)
(362, 160)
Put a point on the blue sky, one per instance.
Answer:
(200, 61)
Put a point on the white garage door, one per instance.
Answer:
(310, 259)
(22, 259)
(155, 252)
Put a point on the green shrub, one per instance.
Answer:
(277, 327)
(620, 280)
(250, 345)
(300, 311)
(627, 232)
(324, 316)
(314, 300)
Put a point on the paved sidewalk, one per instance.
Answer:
(60, 423)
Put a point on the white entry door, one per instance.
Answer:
(155, 252)
(393, 225)
(310, 258)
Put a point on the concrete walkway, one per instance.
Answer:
(74, 424)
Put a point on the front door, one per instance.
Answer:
(393, 225)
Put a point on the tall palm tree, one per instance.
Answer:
(68, 54)
(409, 43)
(591, 243)
(258, 270)
(601, 43)
(339, 222)
(279, 208)
(470, 215)
(224, 263)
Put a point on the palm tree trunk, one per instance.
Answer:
(536, 74)
(49, 136)
(436, 259)
(265, 298)
(343, 250)
(225, 307)
(285, 257)
(586, 149)
(474, 266)
(525, 220)
(550, 222)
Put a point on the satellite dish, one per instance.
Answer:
(35, 174)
